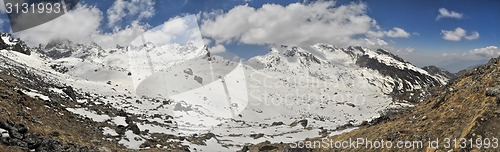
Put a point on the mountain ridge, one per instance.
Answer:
(323, 89)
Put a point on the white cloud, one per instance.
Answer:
(217, 48)
(444, 13)
(76, 25)
(458, 34)
(473, 36)
(81, 25)
(141, 9)
(122, 37)
(180, 30)
(375, 41)
(489, 52)
(300, 24)
(397, 32)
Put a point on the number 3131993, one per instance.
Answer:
(33, 8)
(471, 143)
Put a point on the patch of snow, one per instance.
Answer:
(35, 95)
(109, 131)
(4, 133)
(119, 120)
(89, 114)
(56, 90)
(6, 40)
(131, 140)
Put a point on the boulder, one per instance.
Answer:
(493, 91)
(303, 122)
(134, 128)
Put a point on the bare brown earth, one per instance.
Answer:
(462, 109)
(45, 119)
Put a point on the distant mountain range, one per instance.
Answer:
(288, 94)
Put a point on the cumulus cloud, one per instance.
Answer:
(397, 32)
(81, 25)
(76, 25)
(458, 34)
(488, 52)
(473, 36)
(217, 48)
(180, 30)
(444, 13)
(299, 24)
(140, 9)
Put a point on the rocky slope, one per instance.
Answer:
(466, 109)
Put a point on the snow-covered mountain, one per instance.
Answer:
(374, 68)
(287, 95)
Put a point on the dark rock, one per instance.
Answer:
(209, 135)
(345, 126)
(198, 79)
(257, 136)
(379, 120)
(70, 92)
(303, 149)
(145, 144)
(14, 142)
(59, 68)
(33, 140)
(303, 122)
(14, 134)
(36, 120)
(129, 73)
(5, 126)
(50, 145)
(188, 71)
(54, 134)
(392, 137)
(244, 149)
(277, 123)
(267, 148)
(493, 91)
(134, 128)
(121, 113)
(20, 92)
(121, 129)
(84, 149)
(350, 104)
(22, 129)
(477, 88)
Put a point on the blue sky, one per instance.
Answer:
(423, 34)
(419, 17)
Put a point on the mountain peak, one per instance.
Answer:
(8, 42)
